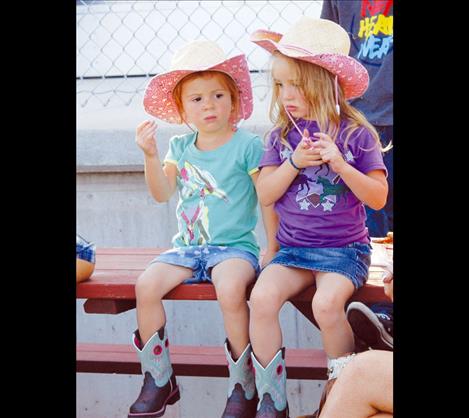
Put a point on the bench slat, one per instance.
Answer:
(111, 289)
(205, 361)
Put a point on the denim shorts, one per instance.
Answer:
(202, 258)
(86, 250)
(352, 260)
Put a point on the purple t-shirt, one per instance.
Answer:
(318, 209)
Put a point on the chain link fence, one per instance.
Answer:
(121, 44)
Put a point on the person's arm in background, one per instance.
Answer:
(329, 11)
(388, 281)
(364, 389)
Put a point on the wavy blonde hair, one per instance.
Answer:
(318, 88)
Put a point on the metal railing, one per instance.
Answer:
(122, 44)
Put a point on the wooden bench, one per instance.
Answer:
(111, 290)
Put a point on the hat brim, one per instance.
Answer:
(352, 75)
(159, 102)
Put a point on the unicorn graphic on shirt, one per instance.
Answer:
(319, 187)
(194, 217)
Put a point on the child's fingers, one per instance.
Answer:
(314, 158)
(150, 131)
(143, 125)
(149, 139)
(306, 143)
(151, 125)
(322, 144)
(143, 134)
(312, 151)
(387, 277)
(314, 163)
(311, 155)
(324, 153)
(323, 136)
(151, 128)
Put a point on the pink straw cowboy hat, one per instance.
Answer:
(199, 55)
(321, 42)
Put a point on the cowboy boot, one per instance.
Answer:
(159, 386)
(271, 385)
(242, 399)
(334, 367)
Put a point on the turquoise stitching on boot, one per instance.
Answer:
(272, 380)
(241, 372)
(154, 358)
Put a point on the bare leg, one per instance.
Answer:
(364, 388)
(274, 287)
(152, 285)
(231, 279)
(333, 291)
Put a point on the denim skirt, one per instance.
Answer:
(352, 260)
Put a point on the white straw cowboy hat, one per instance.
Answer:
(199, 55)
(321, 42)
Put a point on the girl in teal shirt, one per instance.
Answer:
(214, 169)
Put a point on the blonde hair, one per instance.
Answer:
(318, 88)
(225, 80)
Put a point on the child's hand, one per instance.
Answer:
(306, 141)
(268, 256)
(145, 138)
(306, 154)
(329, 152)
(388, 283)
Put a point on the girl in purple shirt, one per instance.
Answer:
(322, 163)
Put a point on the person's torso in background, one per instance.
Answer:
(370, 27)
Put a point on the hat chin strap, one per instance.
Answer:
(292, 120)
(337, 107)
(190, 127)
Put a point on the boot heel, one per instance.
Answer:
(174, 397)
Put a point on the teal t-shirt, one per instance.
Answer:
(217, 198)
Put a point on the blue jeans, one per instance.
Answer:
(380, 222)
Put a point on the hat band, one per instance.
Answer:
(297, 48)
